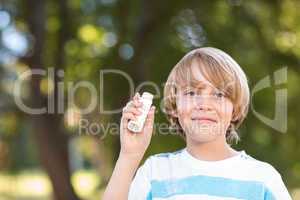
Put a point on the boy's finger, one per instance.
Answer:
(137, 103)
(127, 106)
(136, 96)
(150, 116)
(150, 122)
(133, 110)
(128, 116)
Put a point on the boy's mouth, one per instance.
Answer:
(204, 119)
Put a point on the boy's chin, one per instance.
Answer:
(211, 130)
(202, 137)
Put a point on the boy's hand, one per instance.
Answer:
(134, 145)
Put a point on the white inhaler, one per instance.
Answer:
(138, 124)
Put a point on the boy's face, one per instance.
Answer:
(203, 111)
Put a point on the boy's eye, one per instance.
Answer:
(190, 93)
(219, 94)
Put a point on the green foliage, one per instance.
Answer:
(262, 36)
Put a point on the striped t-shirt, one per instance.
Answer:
(180, 176)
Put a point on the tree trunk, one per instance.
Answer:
(52, 142)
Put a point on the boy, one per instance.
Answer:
(206, 98)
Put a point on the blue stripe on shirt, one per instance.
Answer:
(208, 185)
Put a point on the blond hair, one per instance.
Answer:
(223, 72)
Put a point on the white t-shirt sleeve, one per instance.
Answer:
(277, 188)
(140, 186)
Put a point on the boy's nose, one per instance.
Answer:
(203, 107)
(202, 103)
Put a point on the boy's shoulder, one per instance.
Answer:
(160, 165)
(252, 167)
(244, 164)
(178, 164)
(257, 163)
(163, 161)
(166, 158)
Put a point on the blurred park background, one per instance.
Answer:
(45, 156)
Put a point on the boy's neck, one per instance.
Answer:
(211, 151)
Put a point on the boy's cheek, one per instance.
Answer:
(185, 105)
(227, 113)
(224, 108)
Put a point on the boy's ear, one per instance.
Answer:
(174, 114)
(233, 118)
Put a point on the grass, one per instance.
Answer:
(35, 185)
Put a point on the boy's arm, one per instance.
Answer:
(133, 148)
(276, 187)
(118, 186)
